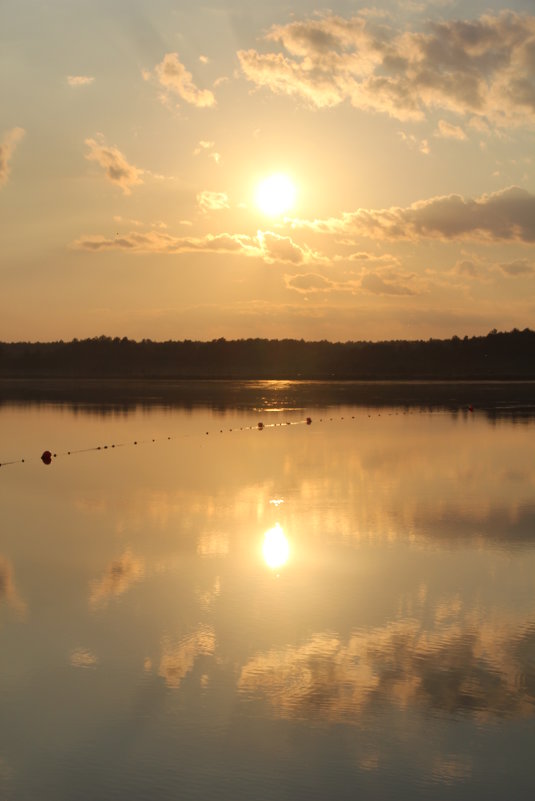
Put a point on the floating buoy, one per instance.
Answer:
(260, 426)
(309, 421)
(46, 457)
(470, 408)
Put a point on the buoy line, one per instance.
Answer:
(47, 456)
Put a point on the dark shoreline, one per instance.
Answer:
(496, 397)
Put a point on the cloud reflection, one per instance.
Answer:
(83, 658)
(8, 590)
(450, 768)
(479, 671)
(118, 577)
(178, 660)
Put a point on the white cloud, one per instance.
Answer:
(174, 77)
(203, 145)
(207, 147)
(309, 282)
(268, 246)
(413, 142)
(7, 148)
(115, 165)
(212, 201)
(79, 80)
(445, 130)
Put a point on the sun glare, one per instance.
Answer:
(276, 548)
(275, 195)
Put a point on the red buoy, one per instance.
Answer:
(46, 457)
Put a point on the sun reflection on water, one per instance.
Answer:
(276, 548)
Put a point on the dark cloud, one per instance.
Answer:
(507, 215)
(518, 267)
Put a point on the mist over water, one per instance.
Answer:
(331, 610)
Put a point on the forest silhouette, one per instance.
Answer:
(498, 355)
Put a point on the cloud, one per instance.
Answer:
(309, 282)
(507, 215)
(179, 660)
(469, 268)
(277, 248)
(7, 148)
(414, 142)
(117, 168)
(83, 658)
(212, 201)
(372, 282)
(160, 242)
(382, 280)
(366, 259)
(174, 77)
(79, 80)
(266, 245)
(445, 130)
(203, 145)
(474, 267)
(207, 147)
(518, 267)
(481, 67)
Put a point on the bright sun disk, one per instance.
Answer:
(276, 547)
(275, 195)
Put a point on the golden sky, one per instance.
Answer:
(134, 137)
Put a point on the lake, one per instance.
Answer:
(194, 606)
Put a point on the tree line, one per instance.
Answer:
(498, 355)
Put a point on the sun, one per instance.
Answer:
(275, 195)
(276, 548)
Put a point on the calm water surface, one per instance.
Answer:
(338, 610)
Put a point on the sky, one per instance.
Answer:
(134, 136)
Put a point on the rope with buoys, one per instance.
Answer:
(48, 456)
